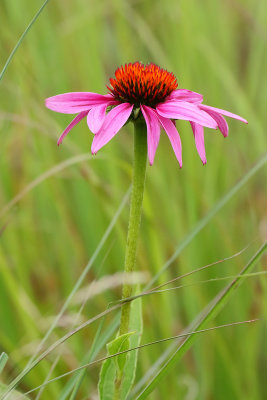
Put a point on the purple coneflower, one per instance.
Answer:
(142, 91)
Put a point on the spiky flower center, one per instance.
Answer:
(142, 84)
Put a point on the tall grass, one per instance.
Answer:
(54, 228)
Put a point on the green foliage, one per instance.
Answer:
(113, 367)
(136, 323)
(215, 307)
(56, 203)
(122, 367)
(100, 339)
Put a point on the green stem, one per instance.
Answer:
(139, 173)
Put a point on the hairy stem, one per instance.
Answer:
(139, 173)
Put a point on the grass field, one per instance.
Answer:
(56, 203)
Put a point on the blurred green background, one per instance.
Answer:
(217, 48)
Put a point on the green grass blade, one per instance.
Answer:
(32, 363)
(216, 306)
(16, 381)
(41, 178)
(101, 338)
(21, 39)
(183, 335)
(15, 395)
(3, 361)
(204, 221)
(87, 357)
(86, 269)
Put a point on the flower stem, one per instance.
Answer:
(139, 174)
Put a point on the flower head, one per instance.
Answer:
(145, 92)
(142, 84)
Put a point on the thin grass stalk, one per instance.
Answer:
(214, 309)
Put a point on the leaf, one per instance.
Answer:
(99, 341)
(121, 343)
(123, 365)
(136, 323)
(110, 366)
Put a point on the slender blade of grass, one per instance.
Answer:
(101, 338)
(45, 175)
(87, 268)
(216, 306)
(204, 221)
(183, 335)
(3, 361)
(21, 39)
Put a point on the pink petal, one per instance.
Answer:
(198, 132)
(75, 102)
(114, 120)
(96, 117)
(174, 137)
(223, 112)
(187, 95)
(153, 131)
(74, 122)
(222, 124)
(184, 110)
